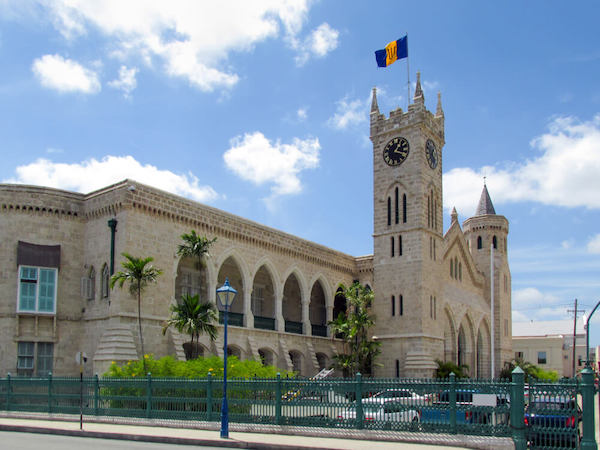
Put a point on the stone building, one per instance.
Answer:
(433, 290)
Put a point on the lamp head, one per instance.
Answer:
(226, 294)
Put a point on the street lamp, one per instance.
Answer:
(586, 325)
(225, 294)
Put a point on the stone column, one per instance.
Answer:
(279, 321)
(248, 316)
(306, 327)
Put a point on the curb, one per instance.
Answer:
(149, 438)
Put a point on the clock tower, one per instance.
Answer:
(408, 236)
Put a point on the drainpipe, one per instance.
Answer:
(112, 223)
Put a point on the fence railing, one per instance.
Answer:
(476, 407)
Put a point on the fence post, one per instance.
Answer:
(49, 392)
(452, 402)
(587, 392)
(517, 409)
(96, 394)
(209, 401)
(278, 400)
(8, 391)
(149, 396)
(360, 417)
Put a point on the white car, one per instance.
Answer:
(386, 412)
(402, 396)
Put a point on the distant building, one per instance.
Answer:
(549, 345)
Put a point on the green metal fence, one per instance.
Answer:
(476, 407)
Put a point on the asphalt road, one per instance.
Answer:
(31, 441)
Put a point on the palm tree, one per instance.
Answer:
(195, 246)
(138, 272)
(194, 318)
(353, 327)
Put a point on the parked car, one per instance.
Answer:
(382, 414)
(403, 396)
(553, 421)
(466, 412)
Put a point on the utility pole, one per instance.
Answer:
(574, 335)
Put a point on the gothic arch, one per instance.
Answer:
(263, 298)
(317, 309)
(466, 347)
(450, 336)
(483, 349)
(231, 266)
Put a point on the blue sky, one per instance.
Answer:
(261, 109)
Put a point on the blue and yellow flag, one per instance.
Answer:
(392, 52)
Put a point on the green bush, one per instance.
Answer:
(169, 367)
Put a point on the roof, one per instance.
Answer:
(546, 328)
(485, 206)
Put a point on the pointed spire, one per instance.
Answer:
(419, 97)
(439, 112)
(485, 206)
(374, 105)
(454, 215)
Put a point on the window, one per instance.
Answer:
(27, 364)
(518, 355)
(451, 268)
(389, 206)
(393, 245)
(541, 357)
(258, 299)
(428, 211)
(105, 282)
(400, 245)
(37, 289)
(434, 253)
(396, 211)
(479, 243)
(190, 282)
(92, 278)
(495, 242)
(432, 307)
(460, 271)
(403, 208)
(393, 305)
(400, 306)
(397, 368)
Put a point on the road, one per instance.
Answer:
(10, 440)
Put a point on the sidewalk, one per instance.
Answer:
(148, 431)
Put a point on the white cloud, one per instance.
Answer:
(255, 158)
(530, 302)
(92, 174)
(567, 244)
(126, 81)
(321, 41)
(65, 75)
(564, 172)
(191, 39)
(349, 113)
(593, 245)
(302, 114)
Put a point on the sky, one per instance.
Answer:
(261, 109)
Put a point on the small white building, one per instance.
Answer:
(549, 345)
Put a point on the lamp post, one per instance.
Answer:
(586, 325)
(225, 294)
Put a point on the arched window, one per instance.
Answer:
(403, 208)
(460, 271)
(401, 305)
(399, 245)
(393, 245)
(495, 242)
(451, 268)
(104, 285)
(389, 205)
(393, 305)
(479, 243)
(428, 211)
(456, 268)
(396, 211)
(92, 282)
(432, 211)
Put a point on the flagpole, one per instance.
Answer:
(407, 75)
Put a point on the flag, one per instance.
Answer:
(392, 52)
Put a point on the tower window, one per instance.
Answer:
(400, 305)
(495, 242)
(393, 305)
(403, 208)
(389, 211)
(460, 271)
(479, 243)
(428, 211)
(392, 246)
(396, 211)
(434, 255)
(451, 268)
(399, 245)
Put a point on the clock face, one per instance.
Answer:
(431, 154)
(396, 151)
